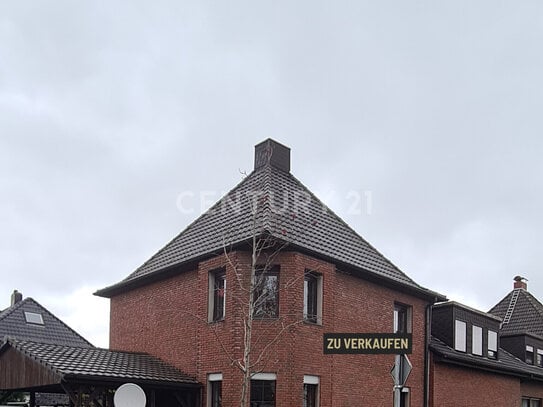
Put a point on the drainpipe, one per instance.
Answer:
(427, 334)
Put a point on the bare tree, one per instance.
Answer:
(257, 288)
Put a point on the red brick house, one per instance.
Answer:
(186, 305)
(493, 358)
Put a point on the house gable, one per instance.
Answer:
(271, 202)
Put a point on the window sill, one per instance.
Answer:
(216, 321)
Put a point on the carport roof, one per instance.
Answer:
(71, 363)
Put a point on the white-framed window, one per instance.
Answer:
(492, 344)
(477, 340)
(460, 335)
(402, 319)
(311, 391)
(217, 295)
(214, 390)
(529, 354)
(539, 358)
(313, 297)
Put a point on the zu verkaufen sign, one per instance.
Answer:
(367, 343)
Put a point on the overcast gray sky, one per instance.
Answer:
(420, 123)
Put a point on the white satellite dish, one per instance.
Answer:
(129, 395)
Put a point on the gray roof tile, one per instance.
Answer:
(527, 314)
(286, 210)
(506, 363)
(85, 362)
(13, 324)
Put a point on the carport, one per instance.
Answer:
(88, 377)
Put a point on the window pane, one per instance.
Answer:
(530, 355)
(492, 341)
(216, 394)
(539, 358)
(460, 336)
(310, 395)
(266, 294)
(310, 297)
(33, 318)
(219, 295)
(262, 393)
(401, 319)
(477, 340)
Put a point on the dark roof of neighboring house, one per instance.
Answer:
(13, 323)
(70, 363)
(526, 316)
(286, 211)
(506, 363)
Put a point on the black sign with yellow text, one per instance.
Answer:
(386, 343)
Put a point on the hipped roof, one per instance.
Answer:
(526, 317)
(13, 324)
(284, 209)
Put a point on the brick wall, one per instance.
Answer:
(169, 319)
(456, 386)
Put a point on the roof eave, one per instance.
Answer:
(157, 383)
(192, 264)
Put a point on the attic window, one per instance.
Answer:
(492, 344)
(460, 336)
(33, 318)
(529, 355)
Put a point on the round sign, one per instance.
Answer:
(129, 395)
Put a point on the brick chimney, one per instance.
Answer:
(16, 297)
(520, 282)
(272, 153)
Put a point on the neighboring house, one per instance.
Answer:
(493, 358)
(26, 319)
(185, 304)
(42, 356)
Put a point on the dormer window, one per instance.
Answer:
(460, 336)
(477, 340)
(492, 344)
(33, 318)
(530, 355)
(539, 358)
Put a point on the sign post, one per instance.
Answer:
(400, 373)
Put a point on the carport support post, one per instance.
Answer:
(152, 398)
(32, 399)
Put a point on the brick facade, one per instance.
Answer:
(457, 386)
(169, 320)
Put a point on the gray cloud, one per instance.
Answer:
(429, 111)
